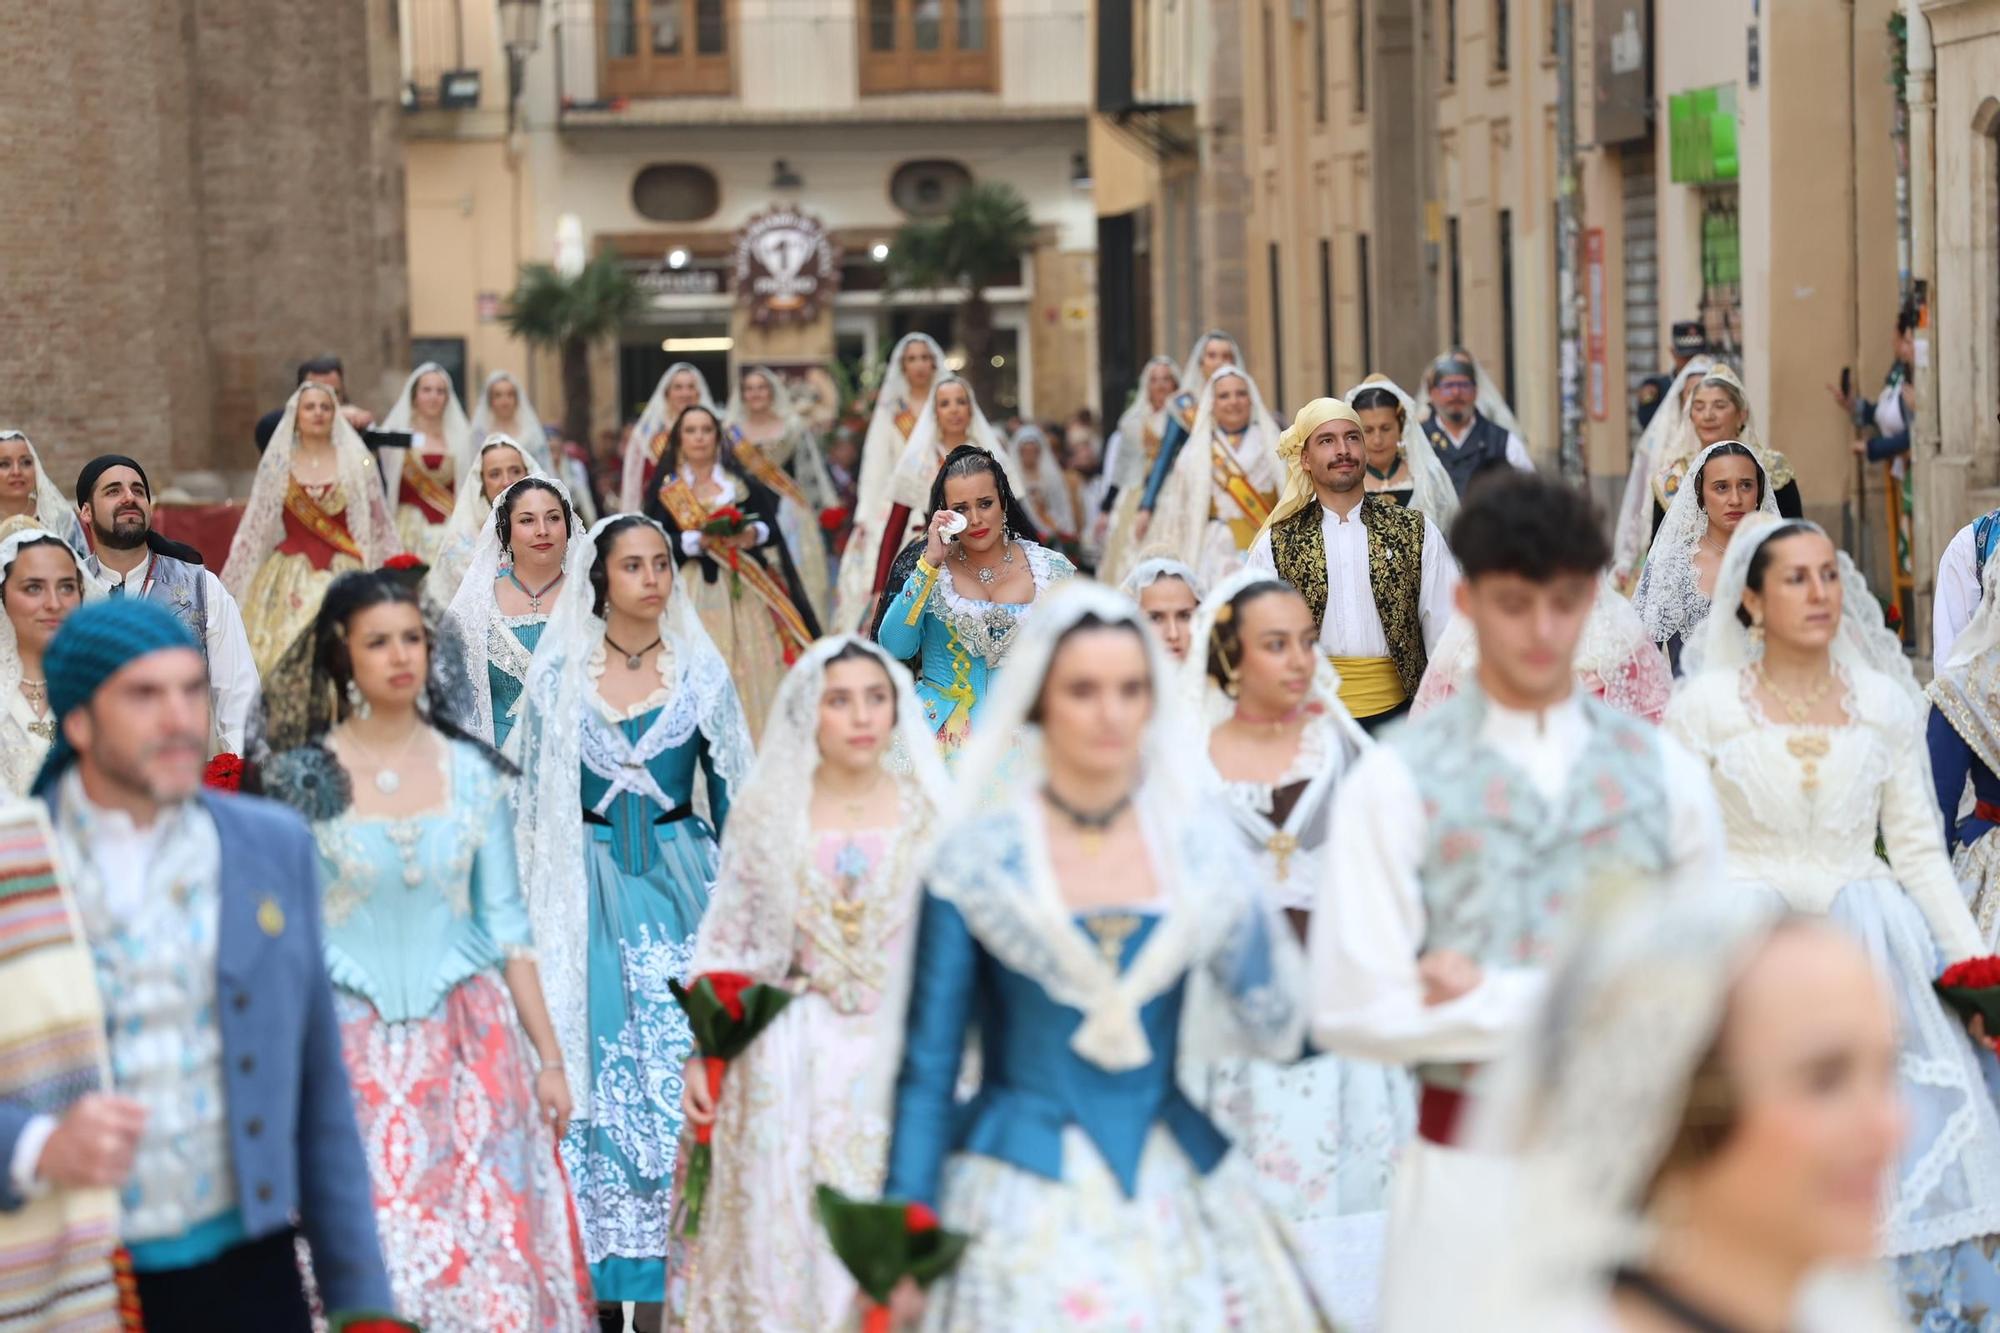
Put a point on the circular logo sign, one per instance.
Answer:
(786, 266)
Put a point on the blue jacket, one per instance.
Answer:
(292, 1134)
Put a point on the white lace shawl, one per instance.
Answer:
(639, 458)
(925, 453)
(1431, 491)
(54, 513)
(458, 436)
(549, 829)
(757, 906)
(1669, 600)
(1187, 498)
(263, 523)
(474, 612)
(21, 754)
(1045, 493)
(1635, 507)
(526, 427)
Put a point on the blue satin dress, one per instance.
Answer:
(507, 668)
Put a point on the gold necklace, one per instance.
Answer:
(1797, 707)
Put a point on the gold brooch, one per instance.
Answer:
(271, 917)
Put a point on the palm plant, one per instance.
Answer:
(973, 246)
(568, 314)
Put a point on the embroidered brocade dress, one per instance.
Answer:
(777, 463)
(1322, 1134)
(421, 913)
(1802, 806)
(809, 1102)
(285, 592)
(650, 860)
(424, 500)
(959, 640)
(1964, 738)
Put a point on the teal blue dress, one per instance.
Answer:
(510, 645)
(650, 863)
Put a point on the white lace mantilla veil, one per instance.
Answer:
(1669, 599)
(471, 514)
(1191, 377)
(881, 452)
(458, 436)
(1677, 458)
(1133, 422)
(1211, 907)
(1586, 1106)
(918, 467)
(1046, 492)
(638, 461)
(1431, 491)
(807, 465)
(1863, 639)
(263, 522)
(549, 825)
(1180, 515)
(528, 428)
(16, 745)
(54, 513)
(1154, 568)
(749, 926)
(1203, 700)
(474, 610)
(1634, 533)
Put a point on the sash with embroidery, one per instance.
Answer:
(424, 487)
(753, 460)
(906, 421)
(1235, 482)
(301, 505)
(691, 515)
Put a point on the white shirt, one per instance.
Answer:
(1352, 626)
(1517, 448)
(1956, 596)
(1369, 925)
(233, 688)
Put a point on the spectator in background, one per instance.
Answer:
(1689, 341)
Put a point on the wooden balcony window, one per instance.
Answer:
(665, 48)
(910, 46)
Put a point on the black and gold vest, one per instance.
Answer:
(1395, 574)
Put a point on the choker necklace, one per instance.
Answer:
(1648, 1289)
(1091, 824)
(987, 573)
(534, 596)
(1380, 475)
(1250, 720)
(387, 779)
(632, 659)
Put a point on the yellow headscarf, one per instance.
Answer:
(1298, 491)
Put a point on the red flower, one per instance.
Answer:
(402, 560)
(729, 988)
(832, 520)
(725, 514)
(919, 1218)
(1973, 974)
(224, 773)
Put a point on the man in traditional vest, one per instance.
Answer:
(1474, 837)
(1377, 575)
(116, 503)
(1466, 442)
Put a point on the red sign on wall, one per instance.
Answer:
(1597, 338)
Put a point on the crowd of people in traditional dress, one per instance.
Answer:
(1310, 874)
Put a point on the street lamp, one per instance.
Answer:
(521, 35)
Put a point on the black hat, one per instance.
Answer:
(1690, 338)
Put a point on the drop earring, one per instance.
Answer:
(357, 702)
(1756, 636)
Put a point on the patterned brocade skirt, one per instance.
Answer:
(470, 1199)
(281, 601)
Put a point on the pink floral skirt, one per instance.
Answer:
(474, 1211)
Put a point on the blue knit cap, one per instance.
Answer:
(93, 645)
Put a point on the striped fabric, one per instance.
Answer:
(57, 1253)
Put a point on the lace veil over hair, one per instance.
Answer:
(917, 468)
(1203, 700)
(1192, 378)
(638, 461)
(20, 755)
(471, 513)
(559, 741)
(1669, 600)
(808, 462)
(1431, 490)
(1678, 459)
(527, 427)
(458, 436)
(53, 514)
(474, 612)
(768, 852)
(1635, 508)
(1154, 568)
(1180, 516)
(263, 522)
(882, 447)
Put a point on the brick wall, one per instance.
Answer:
(200, 194)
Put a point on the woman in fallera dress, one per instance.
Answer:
(914, 364)
(29, 494)
(1676, 586)
(423, 479)
(1140, 433)
(316, 510)
(1634, 533)
(1964, 737)
(1322, 1134)
(1718, 410)
(503, 409)
(951, 421)
(1225, 482)
(1804, 706)
(1401, 462)
(680, 388)
(769, 442)
(1091, 922)
(629, 709)
(531, 546)
(743, 584)
(500, 462)
(817, 893)
(960, 596)
(459, 1085)
(1168, 592)
(40, 584)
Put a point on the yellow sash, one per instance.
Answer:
(1235, 482)
(301, 505)
(1368, 685)
(426, 488)
(679, 500)
(753, 460)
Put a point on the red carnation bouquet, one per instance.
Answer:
(1973, 988)
(883, 1242)
(725, 1010)
(728, 521)
(224, 772)
(370, 1323)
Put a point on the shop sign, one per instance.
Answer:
(1702, 126)
(786, 266)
